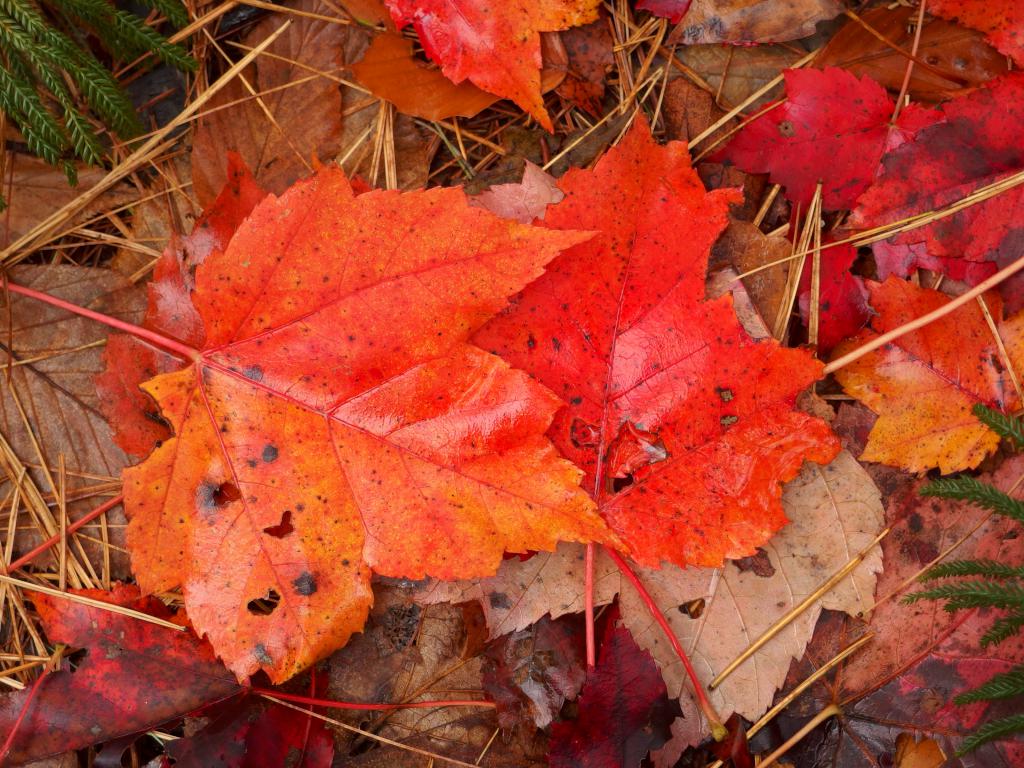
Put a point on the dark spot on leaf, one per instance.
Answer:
(305, 584)
(759, 563)
(693, 608)
(253, 373)
(728, 421)
(269, 453)
(260, 652)
(500, 600)
(725, 394)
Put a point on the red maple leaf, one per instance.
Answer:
(977, 143)
(496, 46)
(318, 436)
(684, 424)
(624, 709)
(832, 128)
(135, 676)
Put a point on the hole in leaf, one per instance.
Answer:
(693, 608)
(209, 495)
(283, 528)
(619, 483)
(264, 606)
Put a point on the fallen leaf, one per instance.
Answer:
(523, 202)
(135, 676)
(305, 107)
(804, 141)
(531, 673)
(498, 49)
(425, 456)
(249, 732)
(975, 144)
(55, 357)
(835, 511)
(590, 54)
(624, 710)
(736, 73)
(920, 657)
(684, 457)
(914, 753)
(673, 10)
(842, 299)
(956, 58)
(128, 361)
(924, 384)
(745, 21)
(1002, 21)
(33, 189)
(747, 248)
(389, 70)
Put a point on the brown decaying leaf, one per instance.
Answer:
(752, 21)
(56, 389)
(33, 190)
(960, 53)
(744, 70)
(835, 511)
(307, 115)
(590, 55)
(745, 247)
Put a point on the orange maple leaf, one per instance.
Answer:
(337, 422)
(496, 46)
(684, 425)
(924, 384)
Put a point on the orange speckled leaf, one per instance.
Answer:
(924, 384)
(337, 422)
(684, 424)
(496, 46)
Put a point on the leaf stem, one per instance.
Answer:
(718, 730)
(588, 600)
(88, 518)
(171, 345)
(266, 692)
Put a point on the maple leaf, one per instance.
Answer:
(317, 438)
(683, 424)
(523, 202)
(624, 710)
(836, 511)
(128, 362)
(496, 47)
(924, 384)
(976, 143)
(1002, 21)
(832, 128)
(135, 676)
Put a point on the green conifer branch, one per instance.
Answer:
(992, 731)
(1007, 427)
(1002, 686)
(971, 489)
(990, 569)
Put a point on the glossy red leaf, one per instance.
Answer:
(496, 46)
(832, 128)
(684, 425)
(336, 421)
(624, 711)
(976, 143)
(134, 676)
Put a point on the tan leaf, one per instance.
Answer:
(835, 511)
(752, 21)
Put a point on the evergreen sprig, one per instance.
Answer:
(997, 584)
(50, 80)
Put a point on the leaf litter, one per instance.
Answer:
(301, 106)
